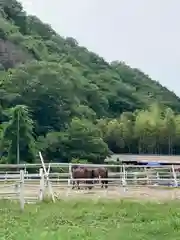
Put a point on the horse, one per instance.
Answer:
(84, 173)
(101, 173)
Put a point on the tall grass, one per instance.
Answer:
(91, 220)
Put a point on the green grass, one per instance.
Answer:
(90, 220)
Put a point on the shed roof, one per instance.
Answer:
(145, 158)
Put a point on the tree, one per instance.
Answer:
(55, 146)
(177, 137)
(85, 141)
(127, 130)
(114, 136)
(170, 128)
(19, 133)
(144, 132)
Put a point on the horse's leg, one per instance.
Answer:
(86, 183)
(106, 181)
(74, 182)
(78, 185)
(106, 184)
(102, 182)
(90, 184)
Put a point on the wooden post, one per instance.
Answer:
(41, 191)
(174, 176)
(49, 183)
(120, 173)
(6, 176)
(158, 178)
(17, 189)
(147, 176)
(27, 177)
(47, 177)
(124, 183)
(51, 190)
(70, 171)
(69, 179)
(135, 178)
(21, 195)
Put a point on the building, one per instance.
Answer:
(144, 159)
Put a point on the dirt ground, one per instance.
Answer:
(157, 193)
(146, 193)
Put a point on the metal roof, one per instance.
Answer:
(144, 158)
(152, 164)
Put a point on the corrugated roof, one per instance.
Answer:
(145, 158)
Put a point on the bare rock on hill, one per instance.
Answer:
(11, 54)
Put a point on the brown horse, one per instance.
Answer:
(101, 173)
(84, 173)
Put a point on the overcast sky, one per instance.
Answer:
(143, 33)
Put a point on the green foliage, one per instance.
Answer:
(152, 131)
(6, 28)
(81, 140)
(16, 38)
(55, 146)
(76, 160)
(37, 28)
(20, 124)
(82, 107)
(86, 135)
(90, 220)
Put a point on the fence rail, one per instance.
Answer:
(66, 165)
(127, 176)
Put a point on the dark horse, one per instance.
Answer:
(101, 173)
(84, 173)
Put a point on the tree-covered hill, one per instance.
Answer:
(70, 97)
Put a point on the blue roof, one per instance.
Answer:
(153, 164)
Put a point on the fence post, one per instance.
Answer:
(147, 176)
(135, 178)
(69, 179)
(27, 177)
(174, 176)
(48, 182)
(21, 194)
(124, 182)
(120, 173)
(41, 191)
(6, 176)
(17, 189)
(158, 178)
(70, 170)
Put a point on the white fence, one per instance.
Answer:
(32, 187)
(15, 187)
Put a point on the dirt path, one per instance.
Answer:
(146, 193)
(113, 192)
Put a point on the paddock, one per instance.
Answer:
(30, 183)
(32, 192)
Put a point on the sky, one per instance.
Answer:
(143, 33)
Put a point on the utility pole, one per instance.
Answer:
(18, 155)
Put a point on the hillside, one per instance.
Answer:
(59, 80)
(119, 86)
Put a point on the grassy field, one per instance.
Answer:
(90, 220)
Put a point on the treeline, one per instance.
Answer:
(152, 131)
